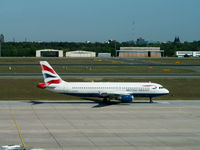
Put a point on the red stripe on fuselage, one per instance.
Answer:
(45, 68)
(147, 85)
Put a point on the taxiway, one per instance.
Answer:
(78, 125)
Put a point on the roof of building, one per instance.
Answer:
(140, 48)
(49, 50)
(80, 52)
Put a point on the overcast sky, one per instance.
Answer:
(99, 20)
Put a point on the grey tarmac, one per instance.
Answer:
(78, 125)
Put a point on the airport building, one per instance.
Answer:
(80, 53)
(49, 53)
(139, 52)
(188, 53)
(104, 54)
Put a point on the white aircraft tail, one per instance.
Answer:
(50, 76)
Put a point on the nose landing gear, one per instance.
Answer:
(150, 100)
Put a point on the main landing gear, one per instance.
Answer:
(150, 100)
(106, 100)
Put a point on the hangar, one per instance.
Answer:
(188, 53)
(104, 54)
(49, 53)
(139, 52)
(80, 53)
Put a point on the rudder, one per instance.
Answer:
(50, 76)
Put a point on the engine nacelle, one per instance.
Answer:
(127, 98)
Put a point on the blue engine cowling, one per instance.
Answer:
(127, 98)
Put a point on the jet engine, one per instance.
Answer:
(127, 98)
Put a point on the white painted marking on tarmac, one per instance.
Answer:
(162, 102)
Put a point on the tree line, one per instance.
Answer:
(28, 49)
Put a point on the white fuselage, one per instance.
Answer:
(100, 89)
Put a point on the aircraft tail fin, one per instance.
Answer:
(50, 76)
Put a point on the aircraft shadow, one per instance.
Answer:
(99, 103)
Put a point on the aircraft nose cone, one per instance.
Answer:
(166, 91)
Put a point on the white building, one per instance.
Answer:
(104, 54)
(188, 53)
(80, 53)
(49, 53)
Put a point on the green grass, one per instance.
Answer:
(178, 61)
(64, 60)
(94, 69)
(25, 89)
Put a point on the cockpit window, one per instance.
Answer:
(161, 87)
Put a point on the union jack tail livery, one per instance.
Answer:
(50, 76)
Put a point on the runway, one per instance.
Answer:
(116, 75)
(78, 125)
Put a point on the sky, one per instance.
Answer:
(99, 20)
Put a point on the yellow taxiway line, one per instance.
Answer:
(20, 135)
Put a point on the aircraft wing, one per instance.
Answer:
(114, 94)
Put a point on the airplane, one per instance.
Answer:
(121, 91)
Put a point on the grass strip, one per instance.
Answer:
(175, 61)
(95, 69)
(25, 89)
